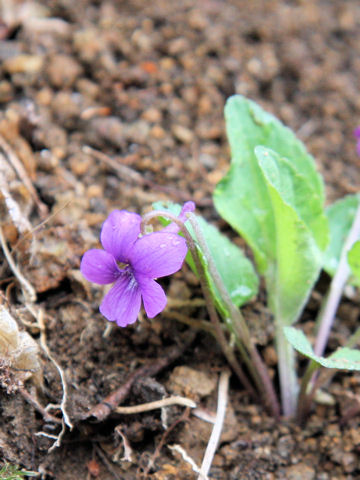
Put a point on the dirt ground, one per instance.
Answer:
(117, 104)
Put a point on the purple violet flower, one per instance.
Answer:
(133, 263)
(357, 136)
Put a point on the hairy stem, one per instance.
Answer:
(287, 372)
(238, 327)
(326, 318)
(220, 336)
(305, 397)
(312, 380)
(327, 313)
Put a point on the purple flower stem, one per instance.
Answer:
(237, 325)
(328, 311)
(325, 320)
(220, 336)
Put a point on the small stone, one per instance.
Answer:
(80, 163)
(183, 134)
(6, 91)
(88, 88)
(270, 356)
(66, 108)
(301, 471)
(204, 106)
(167, 63)
(349, 462)
(63, 70)
(355, 436)
(50, 136)
(94, 191)
(188, 381)
(152, 115)
(88, 44)
(44, 96)
(23, 64)
(157, 132)
(178, 45)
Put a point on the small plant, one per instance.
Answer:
(12, 472)
(274, 198)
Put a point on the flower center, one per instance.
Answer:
(122, 265)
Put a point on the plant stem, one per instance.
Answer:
(287, 373)
(354, 339)
(325, 320)
(307, 392)
(327, 313)
(305, 397)
(239, 328)
(220, 336)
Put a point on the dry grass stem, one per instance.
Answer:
(29, 290)
(22, 174)
(216, 432)
(186, 457)
(165, 402)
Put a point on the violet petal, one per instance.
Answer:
(122, 303)
(356, 132)
(119, 232)
(99, 267)
(158, 254)
(153, 296)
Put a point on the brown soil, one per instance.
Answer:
(145, 84)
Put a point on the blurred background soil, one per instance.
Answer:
(117, 104)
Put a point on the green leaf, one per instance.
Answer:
(242, 197)
(341, 216)
(300, 233)
(343, 359)
(13, 472)
(273, 197)
(353, 257)
(235, 270)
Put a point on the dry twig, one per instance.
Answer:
(22, 174)
(164, 402)
(216, 432)
(29, 290)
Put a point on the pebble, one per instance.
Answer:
(183, 134)
(66, 107)
(79, 163)
(157, 132)
(23, 64)
(187, 381)
(63, 70)
(350, 462)
(301, 471)
(6, 91)
(50, 136)
(152, 115)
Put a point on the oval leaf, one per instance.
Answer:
(300, 234)
(343, 359)
(241, 197)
